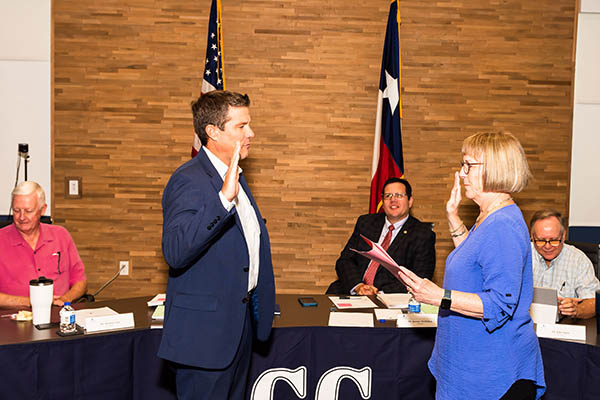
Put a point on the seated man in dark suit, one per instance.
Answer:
(411, 244)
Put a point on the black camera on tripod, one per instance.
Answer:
(23, 149)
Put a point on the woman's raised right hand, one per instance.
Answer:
(455, 197)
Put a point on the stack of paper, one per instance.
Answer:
(345, 302)
(394, 300)
(82, 315)
(157, 300)
(383, 314)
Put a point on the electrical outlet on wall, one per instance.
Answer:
(73, 187)
(124, 267)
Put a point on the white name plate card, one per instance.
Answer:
(417, 320)
(109, 322)
(556, 331)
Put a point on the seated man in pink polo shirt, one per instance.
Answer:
(30, 249)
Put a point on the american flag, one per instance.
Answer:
(214, 73)
(387, 148)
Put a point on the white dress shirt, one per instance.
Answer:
(386, 227)
(248, 218)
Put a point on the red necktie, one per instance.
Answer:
(369, 276)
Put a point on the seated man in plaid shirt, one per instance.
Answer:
(563, 267)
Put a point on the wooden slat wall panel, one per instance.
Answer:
(126, 71)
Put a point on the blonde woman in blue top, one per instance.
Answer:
(485, 345)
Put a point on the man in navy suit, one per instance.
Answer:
(221, 291)
(412, 245)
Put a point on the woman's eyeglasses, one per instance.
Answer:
(466, 166)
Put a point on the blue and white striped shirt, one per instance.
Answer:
(571, 273)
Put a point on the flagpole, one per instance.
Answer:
(213, 77)
(220, 30)
(399, 21)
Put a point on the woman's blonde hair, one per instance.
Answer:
(505, 167)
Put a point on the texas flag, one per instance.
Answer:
(214, 74)
(387, 147)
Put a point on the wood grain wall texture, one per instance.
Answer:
(126, 71)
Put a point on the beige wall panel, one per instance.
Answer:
(125, 73)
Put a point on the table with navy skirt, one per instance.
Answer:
(304, 359)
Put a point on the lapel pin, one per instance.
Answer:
(405, 232)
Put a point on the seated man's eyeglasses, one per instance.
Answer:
(389, 196)
(542, 242)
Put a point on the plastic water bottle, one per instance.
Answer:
(413, 305)
(67, 319)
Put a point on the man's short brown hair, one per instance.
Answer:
(547, 213)
(212, 108)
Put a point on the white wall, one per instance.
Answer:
(24, 93)
(585, 158)
(589, 6)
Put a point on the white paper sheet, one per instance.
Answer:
(351, 319)
(348, 302)
(159, 312)
(157, 300)
(82, 315)
(394, 300)
(543, 313)
(387, 314)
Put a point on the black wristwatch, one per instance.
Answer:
(446, 300)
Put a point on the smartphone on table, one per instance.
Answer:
(307, 301)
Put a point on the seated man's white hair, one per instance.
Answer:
(28, 187)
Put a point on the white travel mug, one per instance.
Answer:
(41, 291)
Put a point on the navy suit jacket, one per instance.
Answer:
(205, 248)
(413, 247)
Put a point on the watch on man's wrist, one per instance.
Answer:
(446, 300)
